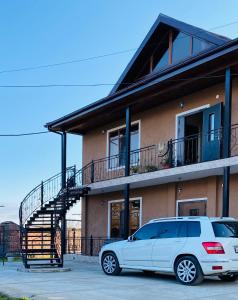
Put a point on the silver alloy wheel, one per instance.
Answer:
(109, 264)
(186, 271)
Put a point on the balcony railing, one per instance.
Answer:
(176, 152)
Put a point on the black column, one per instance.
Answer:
(63, 159)
(227, 141)
(63, 184)
(127, 173)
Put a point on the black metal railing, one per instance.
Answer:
(234, 140)
(176, 152)
(43, 193)
(87, 245)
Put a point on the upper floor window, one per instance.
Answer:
(176, 46)
(181, 47)
(117, 145)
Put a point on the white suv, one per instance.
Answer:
(190, 247)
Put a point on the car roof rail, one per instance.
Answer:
(179, 218)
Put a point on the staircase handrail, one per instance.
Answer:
(37, 194)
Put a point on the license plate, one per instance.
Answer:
(236, 249)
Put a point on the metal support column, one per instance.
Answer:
(227, 141)
(127, 173)
(63, 184)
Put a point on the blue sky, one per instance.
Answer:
(42, 32)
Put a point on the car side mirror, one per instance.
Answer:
(130, 238)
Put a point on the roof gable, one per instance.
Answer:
(157, 39)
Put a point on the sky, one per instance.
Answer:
(34, 33)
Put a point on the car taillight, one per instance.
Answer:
(213, 248)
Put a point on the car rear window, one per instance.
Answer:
(225, 229)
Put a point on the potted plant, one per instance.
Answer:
(151, 168)
(135, 169)
(165, 163)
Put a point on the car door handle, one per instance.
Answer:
(178, 242)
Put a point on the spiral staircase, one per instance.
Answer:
(42, 219)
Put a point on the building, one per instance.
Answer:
(166, 135)
(9, 238)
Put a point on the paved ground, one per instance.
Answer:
(87, 282)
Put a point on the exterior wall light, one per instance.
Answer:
(181, 104)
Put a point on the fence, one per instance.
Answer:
(87, 245)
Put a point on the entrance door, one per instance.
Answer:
(211, 142)
(116, 213)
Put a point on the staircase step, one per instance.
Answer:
(39, 250)
(43, 259)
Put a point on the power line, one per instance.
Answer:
(23, 134)
(105, 84)
(96, 57)
(67, 62)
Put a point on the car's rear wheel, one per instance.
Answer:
(110, 264)
(229, 277)
(188, 270)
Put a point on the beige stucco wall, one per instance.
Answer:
(158, 124)
(160, 201)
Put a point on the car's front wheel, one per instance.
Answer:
(110, 264)
(229, 278)
(188, 270)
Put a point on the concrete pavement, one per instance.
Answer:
(86, 281)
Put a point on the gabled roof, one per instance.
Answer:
(163, 20)
(157, 87)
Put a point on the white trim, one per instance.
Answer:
(186, 113)
(116, 128)
(109, 213)
(189, 200)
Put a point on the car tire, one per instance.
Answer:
(110, 264)
(188, 270)
(148, 272)
(228, 278)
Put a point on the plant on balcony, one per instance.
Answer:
(135, 169)
(151, 168)
(165, 163)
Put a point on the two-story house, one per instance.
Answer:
(164, 141)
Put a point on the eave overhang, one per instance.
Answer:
(195, 73)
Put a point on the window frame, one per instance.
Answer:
(109, 213)
(205, 199)
(108, 142)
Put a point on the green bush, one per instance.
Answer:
(5, 297)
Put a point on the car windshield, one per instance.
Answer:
(225, 229)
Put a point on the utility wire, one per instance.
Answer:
(96, 57)
(66, 62)
(107, 84)
(23, 134)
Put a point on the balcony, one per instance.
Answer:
(164, 162)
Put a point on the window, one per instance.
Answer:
(191, 207)
(225, 229)
(211, 130)
(161, 54)
(117, 218)
(169, 230)
(193, 229)
(149, 231)
(181, 47)
(199, 46)
(117, 145)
